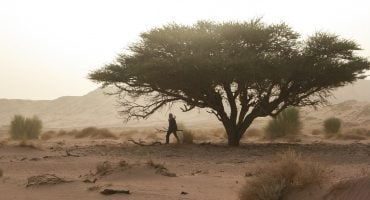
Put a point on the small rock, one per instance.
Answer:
(35, 159)
(114, 191)
(184, 193)
(248, 174)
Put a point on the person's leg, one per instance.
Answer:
(168, 137)
(177, 137)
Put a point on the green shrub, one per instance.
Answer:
(286, 123)
(25, 128)
(332, 125)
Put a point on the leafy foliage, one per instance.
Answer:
(286, 123)
(332, 125)
(25, 128)
(237, 71)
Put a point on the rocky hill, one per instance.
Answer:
(352, 103)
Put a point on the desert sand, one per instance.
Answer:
(207, 169)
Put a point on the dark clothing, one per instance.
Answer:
(172, 128)
(172, 124)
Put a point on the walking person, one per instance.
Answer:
(172, 128)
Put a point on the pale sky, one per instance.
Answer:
(47, 47)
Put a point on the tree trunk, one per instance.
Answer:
(233, 139)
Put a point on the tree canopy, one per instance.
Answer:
(236, 70)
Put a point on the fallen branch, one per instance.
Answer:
(45, 179)
(143, 144)
(69, 154)
(164, 130)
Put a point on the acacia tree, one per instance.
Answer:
(237, 71)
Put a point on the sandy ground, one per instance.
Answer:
(208, 171)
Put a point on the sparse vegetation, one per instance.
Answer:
(187, 135)
(48, 135)
(354, 134)
(104, 168)
(317, 132)
(95, 133)
(160, 169)
(254, 132)
(22, 128)
(332, 125)
(285, 124)
(355, 188)
(28, 144)
(289, 171)
(45, 179)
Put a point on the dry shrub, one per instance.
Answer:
(129, 134)
(253, 132)
(45, 179)
(62, 133)
(104, 168)
(95, 133)
(317, 132)
(48, 135)
(27, 144)
(358, 188)
(353, 134)
(153, 137)
(219, 132)
(289, 171)
(160, 169)
(187, 137)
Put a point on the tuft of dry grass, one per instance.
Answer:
(187, 137)
(48, 135)
(160, 169)
(357, 188)
(317, 132)
(95, 133)
(104, 168)
(45, 179)
(289, 171)
(27, 144)
(351, 134)
(254, 133)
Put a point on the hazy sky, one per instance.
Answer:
(48, 47)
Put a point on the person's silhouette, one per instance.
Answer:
(172, 128)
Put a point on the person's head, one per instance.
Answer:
(170, 115)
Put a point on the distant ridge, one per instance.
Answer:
(98, 109)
